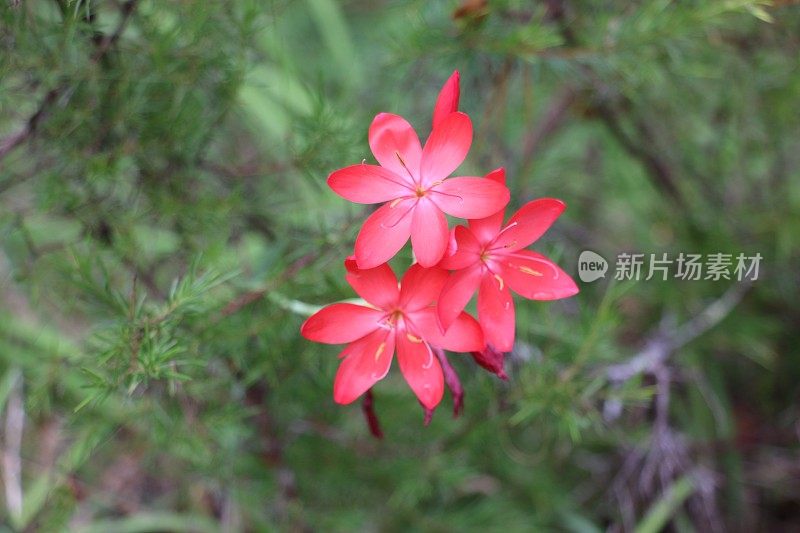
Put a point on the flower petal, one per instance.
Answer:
(529, 223)
(368, 184)
(429, 235)
(447, 102)
(464, 335)
(421, 286)
(496, 312)
(364, 362)
(498, 175)
(486, 229)
(341, 323)
(395, 145)
(421, 368)
(536, 277)
(457, 293)
(384, 232)
(470, 197)
(376, 285)
(463, 250)
(446, 148)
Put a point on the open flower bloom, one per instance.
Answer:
(492, 260)
(396, 317)
(413, 182)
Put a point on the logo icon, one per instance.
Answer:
(591, 266)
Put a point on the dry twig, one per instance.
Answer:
(12, 447)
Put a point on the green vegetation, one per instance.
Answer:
(165, 227)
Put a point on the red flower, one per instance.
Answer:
(412, 181)
(397, 317)
(493, 261)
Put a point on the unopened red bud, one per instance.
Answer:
(492, 360)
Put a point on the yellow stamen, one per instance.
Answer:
(413, 339)
(435, 183)
(395, 202)
(380, 350)
(509, 245)
(499, 280)
(529, 271)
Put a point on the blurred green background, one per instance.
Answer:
(165, 227)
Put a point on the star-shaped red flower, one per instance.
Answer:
(493, 261)
(413, 183)
(399, 317)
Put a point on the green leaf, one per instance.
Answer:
(145, 522)
(661, 511)
(332, 26)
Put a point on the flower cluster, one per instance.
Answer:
(423, 314)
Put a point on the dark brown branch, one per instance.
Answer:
(243, 300)
(643, 146)
(105, 43)
(554, 118)
(33, 123)
(272, 449)
(660, 170)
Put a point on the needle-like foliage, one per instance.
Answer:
(166, 227)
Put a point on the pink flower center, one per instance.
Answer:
(487, 259)
(393, 317)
